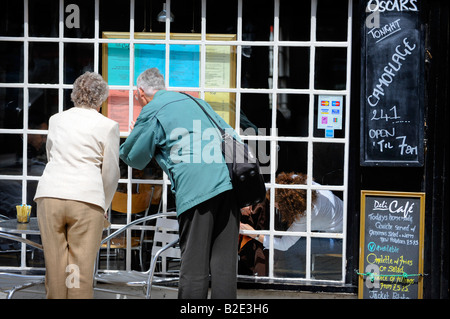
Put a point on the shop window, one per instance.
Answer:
(279, 76)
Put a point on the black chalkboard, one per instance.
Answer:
(392, 89)
(391, 245)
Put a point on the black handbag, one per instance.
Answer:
(243, 166)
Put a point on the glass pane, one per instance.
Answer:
(291, 263)
(79, 18)
(327, 212)
(67, 101)
(221, 17)
(332, 18)
(328, 163)
(255, 114)
(118, 62)
(293, 115)
(224, 104)
(257, 20)
(31, 191)
(150, 16)
(10, 196)
(11, 62)
(184, 65)
(331, 68)
(11, 105)
(11, 154)
(43, 104)
(295, 20)
(78, 58)
(117, 108)
(256, 71)
(329, 116)
(36, 153)
(293, 68)
(326, 258)
(11, 18)
(114, 15)
(220, 66)
(43, 62)
(43, 17)
(186, 16)
(119, 205)
(292, 157)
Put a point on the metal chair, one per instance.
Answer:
(12, 282)
(142, 200)
(145, 279)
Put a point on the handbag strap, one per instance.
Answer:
(222, 131)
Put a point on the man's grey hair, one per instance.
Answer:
(151, 80)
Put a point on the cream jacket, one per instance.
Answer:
(83, 158)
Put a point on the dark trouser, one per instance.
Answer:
(209, 234)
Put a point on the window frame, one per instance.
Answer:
(275, 91)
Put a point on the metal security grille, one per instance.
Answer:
(313, 52)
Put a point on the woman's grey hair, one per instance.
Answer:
(151, 80)
(89, 90)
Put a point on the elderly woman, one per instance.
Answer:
(76, 189)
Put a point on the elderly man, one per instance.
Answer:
(174, 129)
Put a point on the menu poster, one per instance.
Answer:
(118, 102)
(184, 71)
(391, 245)
(218, 74)
(184, 63)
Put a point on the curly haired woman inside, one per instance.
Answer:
(326, 211)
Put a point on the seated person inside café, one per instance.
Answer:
(291, 207)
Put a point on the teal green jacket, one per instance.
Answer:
(185, 143)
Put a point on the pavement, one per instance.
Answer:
(122, 292)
